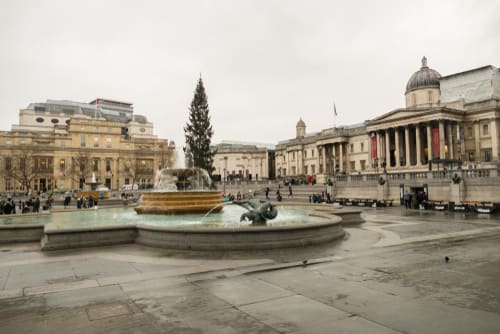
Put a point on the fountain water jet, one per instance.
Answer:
(180, 191)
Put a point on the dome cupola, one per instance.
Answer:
(301, 128)
(423, 88)
(424, 78)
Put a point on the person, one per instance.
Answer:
(290, 194)
(36, 205)
(267, 193)
(67, 200)
(238, 196)
(278, 196)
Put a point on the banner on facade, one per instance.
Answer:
(435, 142)
(374, 147)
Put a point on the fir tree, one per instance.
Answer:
(198, 131)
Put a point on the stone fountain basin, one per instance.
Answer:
(327, 229)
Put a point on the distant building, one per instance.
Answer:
(243, 161)
(60, 144)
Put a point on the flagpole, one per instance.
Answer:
(334, 114)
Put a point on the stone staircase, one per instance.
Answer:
(300, 193)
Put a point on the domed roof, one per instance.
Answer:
(301, 123)
(423, 78)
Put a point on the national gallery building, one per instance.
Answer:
(448, 128)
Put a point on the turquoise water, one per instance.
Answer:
(229, 217)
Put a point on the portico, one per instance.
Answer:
(405, 139)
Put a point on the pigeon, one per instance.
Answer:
(304, 262)
(447, 259)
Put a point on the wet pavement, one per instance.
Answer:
(388, 275)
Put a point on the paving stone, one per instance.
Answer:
(243, 290)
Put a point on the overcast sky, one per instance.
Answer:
(264, 63)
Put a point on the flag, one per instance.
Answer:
(334, 110)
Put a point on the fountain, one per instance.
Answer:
(175, 215)
(180, 191)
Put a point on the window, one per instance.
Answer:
(352, 165)
(54, 120)
(8, 186)
(95, 165)
(413, 99)
(96, 142)
(305, 154)
(8, 163)
(82, 141)
(362, 148)
(485, 130)
(108, 165)
(312, 153)
(429, 96)
(305, 169)
(108, 142)
(486, 155)
(40, 119)
(62, 165)
(471, 156)
(352, 148)
(313, 169)
(362, 164)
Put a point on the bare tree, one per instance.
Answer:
(81, 167)
(135, 167)
(23, 169)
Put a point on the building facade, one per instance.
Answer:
(448, 122)
(243, 161)
(65, 144)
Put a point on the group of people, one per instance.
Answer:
(230, 197)
(85, 202)
(8, 206)
(320, 198)
(416, 202)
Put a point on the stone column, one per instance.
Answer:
(323, 149)
(418, 143)
(477, 142)
(458, 148)
(407, 146)
(341, 158)
(300, 164)
(429, 142)
(387, 149)
(379, 147)
(494, 139)
(450, 141)
(318, 161)
(441, 140)
(397, 152)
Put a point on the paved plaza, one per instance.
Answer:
(388, 275)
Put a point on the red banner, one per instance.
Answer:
(435, 142)
(374, 147)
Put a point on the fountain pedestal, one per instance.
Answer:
(179, 202)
